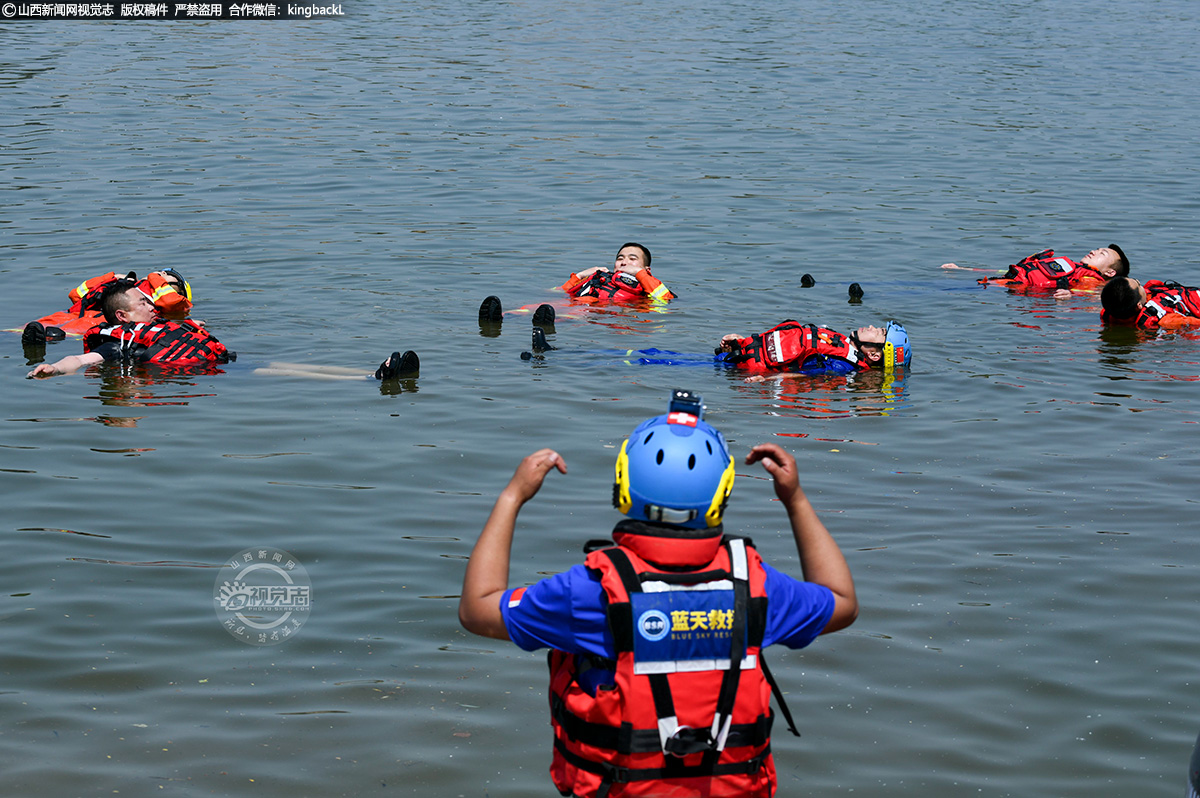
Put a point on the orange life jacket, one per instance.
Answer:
(1045, 271)
(85, 312)
(170, 303)
(79, 293)
(176, 343)
(789, 345)
(617, 287)
(689, 711)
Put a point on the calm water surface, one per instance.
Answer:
(1018, 510)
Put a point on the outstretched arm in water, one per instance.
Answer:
(67, 365)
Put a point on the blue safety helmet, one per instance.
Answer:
(674, 469)
(896, 348)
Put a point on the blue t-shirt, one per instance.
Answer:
(566, 612)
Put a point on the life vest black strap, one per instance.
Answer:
(775, 691)
(625, 739)
(625, 570)
(674, 769)
(620, 615)
(739, 570)
(756, 621)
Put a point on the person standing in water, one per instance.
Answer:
(657, 681)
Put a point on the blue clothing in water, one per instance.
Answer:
(817, 364)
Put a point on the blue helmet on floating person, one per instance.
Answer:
(673, 479)
(897, 351)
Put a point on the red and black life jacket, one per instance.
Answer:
(175, 343)
(610, 287)
(1163, 300)
(604, 286)
(689, 710)
(789, 345)
(1046, 271)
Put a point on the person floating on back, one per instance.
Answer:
(630, 280)
(1149, 305)
(789, 347)
(657, 681)
(1046, 271)
(793, 347)
(629, 283)
(132, 331)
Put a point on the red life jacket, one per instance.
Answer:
(1047, 272)
(618, 287)
(789, 345)
(175, 343)
(1168, 304)
(689, 712)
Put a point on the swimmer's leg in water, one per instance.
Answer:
(491, 311)
(397, 365)
(544, 317)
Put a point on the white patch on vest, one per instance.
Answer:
(666, 730)
(720, 734)
(749, 662)
(737, 552)
(1067, 268)
(663, 587)
(775, 348)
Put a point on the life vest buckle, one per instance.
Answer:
(686, 741)
(616, 775)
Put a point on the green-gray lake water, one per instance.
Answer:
(1018, 511)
